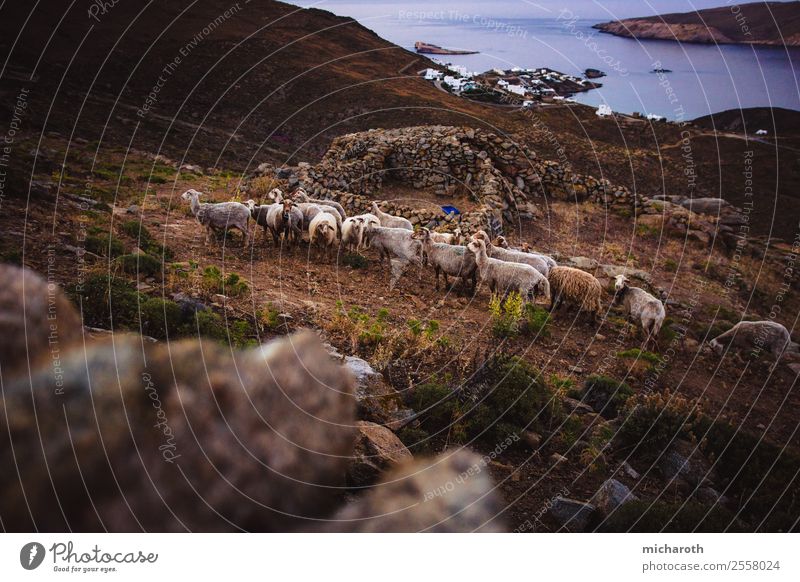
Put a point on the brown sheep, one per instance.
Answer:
(578, 287)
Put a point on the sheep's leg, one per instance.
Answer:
(446, 282)
(436, 271)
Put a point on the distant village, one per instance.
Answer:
(517, 86)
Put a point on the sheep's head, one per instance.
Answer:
(620, 282)
(191, 193)
(481, 235)
(251, 204)
(476, 246)
(500, 241)
(300, 195)
(716, 346)
(275, 194)
(421, 234)
(526, 248)
(458, 235)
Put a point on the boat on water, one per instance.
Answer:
(432, 49)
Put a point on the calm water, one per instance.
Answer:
(704, 79)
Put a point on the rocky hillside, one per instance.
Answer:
(765, 23)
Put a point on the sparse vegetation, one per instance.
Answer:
(506, 314)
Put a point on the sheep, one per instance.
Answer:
(448, 259)
(503, 277)
(447, 238)
(389, 221)
(394, 241)
(535, 261)
(322, 232)
(368, 219)
(641, 306)
(223, 215)
(311, 209)
(352, 233)
(524, 247)
(755, 335)
(300, 195)
(276, 195)
(576, 286)
(259, 214)
(285, 219)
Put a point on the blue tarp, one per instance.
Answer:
(450, 210)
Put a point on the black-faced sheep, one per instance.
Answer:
(756, 336)
(448, 259)
(509, 256)
(577, 287)
(640, 306)
(503, 277)
(322, 233)
(285, 220)
(389, 221)
(221, 216)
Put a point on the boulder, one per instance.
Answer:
(377, 401)
(377, 450)
(684, 461)
(611, 495)
(571, 514)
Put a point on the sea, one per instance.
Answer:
(701, 79)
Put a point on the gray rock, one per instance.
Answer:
(581, 263)
(376, 400)
(611, 495)
(684, 461)
(571, 514)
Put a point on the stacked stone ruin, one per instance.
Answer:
(505, 179)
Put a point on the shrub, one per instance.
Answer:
(513, 398)
(505, 314)
(436, 401)
(144, 240)
(638, 354)
(232, 285)
(105, 246)
(106, 299)
(161, 318)
(653, 420)
(536, 320)
(605, 395)
(649, 517)
(235, 332)
(268, 317)
(142, 264)
(417, 440)
(355, 261)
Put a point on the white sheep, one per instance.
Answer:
(397, 242)
(352, 233)
(503, 277)
(311, 209)
(524, 247)
(301, 195)
(389, 221)
(448, 259)
(322, 233)
(368, 219)
(641, 306)
(510, 256)
(757, 336)
(221, 216)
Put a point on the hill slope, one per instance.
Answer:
(768, 23)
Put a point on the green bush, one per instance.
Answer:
(506, 314)
(638, 354)
(237, 332)
(536, 320)
(605, 395)
(160, 318)
(653, 420)
(105, 299)
(514, 398)
(145, 241)
(105, 246)
(145, 265)
(355, 261)
(417, 440)
(436, 401)
(649, 517)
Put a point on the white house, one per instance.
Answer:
(654, 117)
(603, 111)
(528, 103)
(516, 90)
(761, 132)
(432, 74)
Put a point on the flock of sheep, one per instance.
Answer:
(494, 262)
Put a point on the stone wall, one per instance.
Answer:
(504, 178)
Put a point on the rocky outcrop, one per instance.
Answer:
(377, 401)
(377, 450)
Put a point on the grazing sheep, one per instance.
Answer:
(389, 221)
(367, 219)
(311, 209)
(577, 287)
(222, 216)
(352, 233)
(259, 214)
(509, 256)
(300, 195)
(398, 242)
(641, 307)
(276, 195)
(448, 259)
(503, 277)
(757, 336)
(285, 219)
(322, 232)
